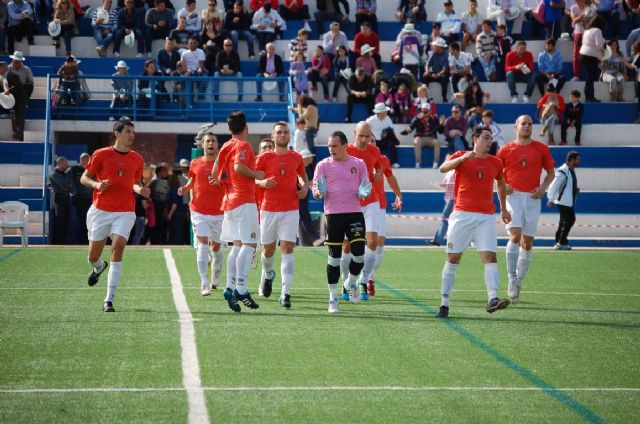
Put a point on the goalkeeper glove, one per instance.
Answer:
(321, 185)
(364, 190)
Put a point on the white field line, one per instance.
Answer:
(324, 388)
(190, 367)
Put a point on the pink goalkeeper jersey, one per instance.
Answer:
(343, 179)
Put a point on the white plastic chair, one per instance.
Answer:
(14, 215)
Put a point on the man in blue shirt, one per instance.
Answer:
(437, 67)
(550, 67)
(20, 24)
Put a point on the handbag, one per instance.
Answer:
(538, 12)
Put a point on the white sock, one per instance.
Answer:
(369, 261)
(333, 291)
(448, 281)
(376, 263)
(345, 260)
(202, 260)
(218, 260)
(286, 271)
(512, 259)
(113, 280)
(523, 263)
(243, 262)
(267, 265)
(97, 265)
(231, 267)
(491, 279)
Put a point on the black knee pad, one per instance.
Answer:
(355, 267)
(335, 251)
(333, 274)
(357, 247)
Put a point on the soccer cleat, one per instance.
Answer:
(565, 247)
(345, 294)
(246, 300)
(496, 304)
(557, 246)
(363, 292)
(205, 289)
(267, 284)
(95, 276)
(371, 288)
(443, 312)
(108, 307)
(334, 306)
(231, 300)
(285, 300)
(513, 291)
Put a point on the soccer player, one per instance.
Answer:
(342, 180)
(472, 218)
(279, 214)
(523, 159)
(234, 169)
(266, 145)
(206, 212)
(114, 174)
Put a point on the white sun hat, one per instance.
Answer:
(130, 39)
(380, 108)
(7, 101)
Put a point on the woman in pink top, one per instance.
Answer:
(591, 53)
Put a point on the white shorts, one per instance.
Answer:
(279, 226)
(467, 227)
(102, 224)
(525, 212)
(241, 224)
(209, 226)
(371, 214)
(382, 223)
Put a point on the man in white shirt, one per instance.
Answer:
(451, 23)
(334, 39)
(382, 129)
(268, 24)
(194, 58)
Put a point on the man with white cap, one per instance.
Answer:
(426, 127)
(11, 86)
(382, 128)
(18, 67)
(410, 49)
(437, 68)
(21, 23)
(122, 89)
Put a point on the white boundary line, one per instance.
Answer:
(190, 367)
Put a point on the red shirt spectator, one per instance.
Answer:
(255, 5)
(514, 59)
(370, 38)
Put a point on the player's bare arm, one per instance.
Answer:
(267, 183)
(186, 188)
(539, 191)
(395, 187)
(88, 181)
(502, 199)
(453, 163)
(142, 190)
(245, 171)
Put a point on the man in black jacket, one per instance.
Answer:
(330, 10)
(228, 65)
(168, 57)
(269, 66)
(573, 112)
(427, 128)
(130, 20)
(360, 88)
(19, 110)
(238, 24)
(63, 188)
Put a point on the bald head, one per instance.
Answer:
(363, 135)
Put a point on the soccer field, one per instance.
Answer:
(568, 352)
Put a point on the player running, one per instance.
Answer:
(523, 159)
(342, 180)
(472, 218)
(279, 214)
(115, 174)
(206, 212)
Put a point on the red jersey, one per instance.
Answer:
(238, 188)
(523, 164)
(474, 183)
(378, 185)
(371, 157)
(206, 198)
(123, 170)
(285, 169)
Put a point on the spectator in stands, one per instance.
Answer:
(581, 15)
(104, 26)
(366, 61)
(211, 13)
(366, 12)
(551, 110)
(177, 213)
(537, 27)
(382, 129)
(83, 197)
(437, 67)
(550, 67)
(320, 71)
(181, 85)
(158, 21)
(20, 24)
(405, 76)
(614, 71)
(3, 26)
(426, 127)
(460, 67)
(435, 34)
(193, 58)
(298, 44)
(267, 23)
(295, 10)
(473, 100)
(471, 27)
(270, 65)
(11, 85)
(299, 136)
(130, 21)
(591, 53)
(151, 90)
(422, 98)
(211, 39)
(194, 22)
(68, 86)
(631, 39)
(25, 74)
(180, 35)
(409, 49)
(519, 67)
(168, 57)
(65, 16)
(635, 62)
(563, 192)
(255, 5)
(122, 91)
(238, 23)
(385, 96)
(502, 11)
(572, 118)
(307, 109)
(160, 197)
(553, 12)
(402, 102)
(448, 183)
(455, 130)
(298, 73)
(411, 11)
(138, 4)
(505, 42)
(608, 10)
(333, 39)
(63, 188)
(360, 91)
(341, 70)
(487, 50)
(367, 36)
(228, 65)
(451, 23)
(329, 10)
(42, 10)
(496, 131)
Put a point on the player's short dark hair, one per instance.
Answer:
(477, 131)
(341, 136)
(521, 43)
(576, 93)
(488, 113)
(487, 22)
(124, 121)
(237, 122)
(455, 46)
(279, 123)
(572, 155)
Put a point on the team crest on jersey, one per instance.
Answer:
(242, 154)
(283, 171)
(120, 172)
(523, 163)
(479, 174)
(450, 245)
(354, 170)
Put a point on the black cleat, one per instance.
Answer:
(267, 285)
(108, 307)
(231, 300)
(497, 304)
(285, 301)
(246, 300)
(95, 276)
(443, 312)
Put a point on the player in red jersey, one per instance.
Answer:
(114, 174)
(472, 219)
(234, 169)
(206, 210)
(284, 184)
(266, 145)
(524, 160)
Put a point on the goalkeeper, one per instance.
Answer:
(342, 180)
